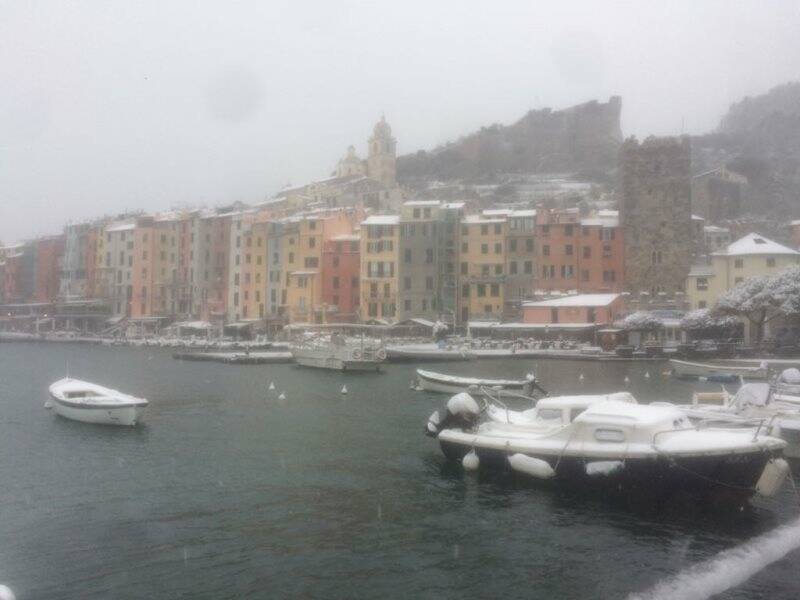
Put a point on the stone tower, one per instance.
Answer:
(382, 157)
(655, 207)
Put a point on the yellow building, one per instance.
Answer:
(304, 242)
(482, 274)
(380, 243)
(750, 256)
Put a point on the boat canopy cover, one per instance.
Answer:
(790, 376)
(584, 401)
(752, 394)
(628, 414)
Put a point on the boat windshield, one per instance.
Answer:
(81, 394)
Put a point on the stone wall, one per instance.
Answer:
(655, 212)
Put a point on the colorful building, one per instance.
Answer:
(750, 256)
(341, 266)
(579, 310)
(380, 243)
(482, 267)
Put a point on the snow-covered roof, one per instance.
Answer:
(381, 220)
(701, 271)
(697, 218)
(454, 205)
(121, 227)
(716, 229)
(479, 220)
(346, 237)
(579, 300)
(421, 203)
(753, 243)
(626, 413)
(795, 222)
(293, 273)
(497, 212)
(530, 326)
(603, 220)
(528, 212)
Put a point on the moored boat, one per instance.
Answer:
(428, 353)
(717, 372)
(91, 403)
(621, 446)
(452, 384)
(336, 353)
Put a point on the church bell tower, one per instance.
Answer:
(382, 157)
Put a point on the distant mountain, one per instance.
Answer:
(760, 138)
(584, 138)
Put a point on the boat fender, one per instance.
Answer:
(463, 405)
(471, 462)
(356, 354)
(434, 424)
(603, 467)
(528, 465)
(772, 477)
(381, 354)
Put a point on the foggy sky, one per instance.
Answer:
(111, 105)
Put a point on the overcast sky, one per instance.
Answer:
(112, 105)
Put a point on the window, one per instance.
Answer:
(512, 267)
(464, 247)
(770, 262)
(568, 230)
(487, 308)
(429, 255)
(484, 230)
(546, 250)
(498, 269)
(407, 255)
(335, 261)
(291, 258)
(312, 241)
(702, 284)
(738, 263)
(406, 283)
(512, 245)
(484, 248)
(567, 271)
(587, 252)
(498, 248)
(464, 268)
(416, 213)
(311, 262)
(335, 282)
(484, 270)
(481, 290)
(584, 275)
(429, 283)
(609, 276)
(495, 290)
(465, 291)
(407, 305)
(609, 435)
(529, 245)
(568, 249)
(497, 228)
(528, 267)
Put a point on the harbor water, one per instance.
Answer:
(227, 491)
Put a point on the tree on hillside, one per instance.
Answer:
(761, 299)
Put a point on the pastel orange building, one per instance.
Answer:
(341, 269)
(581, 309)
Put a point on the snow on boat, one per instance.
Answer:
(91, 403)
(754, 405)
(718, 372)
(452, 384)
(428, 353)
(786, 387)
(619, 445)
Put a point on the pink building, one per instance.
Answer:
(341, 266)
(599, 309)
(47, 281)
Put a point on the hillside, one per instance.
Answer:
(583, 138)
(760, 137)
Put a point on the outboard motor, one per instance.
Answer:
(461, 412)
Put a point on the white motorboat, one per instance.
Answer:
(554, 411)
(620, 446)
(452, 384)
(717, 372)
(335, 352)
(754, 405)
(91, 403)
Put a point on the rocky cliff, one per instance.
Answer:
(584, 138)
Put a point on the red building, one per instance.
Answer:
(47, 277)
(582, 254)
(584, 309)
(341, 266)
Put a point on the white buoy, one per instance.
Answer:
(581, 377)
(6, 593)
(271, 386)
(627, 379)
(471, 462)
(344, 389)
(282, 396)
(47, 405)
(529, 465)
(647, 374)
